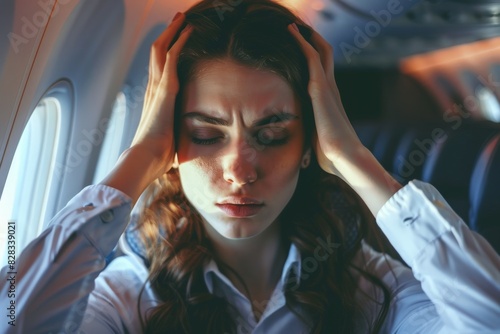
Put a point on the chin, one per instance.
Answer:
(240, 236)
(239, 232)
(236, 229)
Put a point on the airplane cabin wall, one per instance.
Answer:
(453, 76)
(96, 49)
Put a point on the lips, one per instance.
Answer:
(239, 201)
(240, 207)
(240, 210)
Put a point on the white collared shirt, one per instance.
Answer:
(61, 287)
(219, 285)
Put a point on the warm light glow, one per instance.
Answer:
(298, 4)
(307, 9)
(460, 53)
(317, 5)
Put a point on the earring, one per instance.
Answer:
(175, 164)
(251, 179)
(305, 161)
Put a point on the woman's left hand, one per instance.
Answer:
(335, 138)
(337, 146)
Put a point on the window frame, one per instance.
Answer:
(30, 224)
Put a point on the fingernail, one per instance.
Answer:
(176, 16)
(294, 25)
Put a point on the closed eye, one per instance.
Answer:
(207, 141)
(271, 136)
(268, 136)
(206, 136)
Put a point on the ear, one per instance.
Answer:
(306, 159)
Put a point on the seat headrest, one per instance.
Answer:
(451, 162)
(485, 188)
(133, 239)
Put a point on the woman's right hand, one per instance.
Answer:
(155, 130)
(153, 149)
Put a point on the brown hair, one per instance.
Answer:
(254, 33)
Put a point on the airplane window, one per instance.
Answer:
(112, 146)
(26, 191)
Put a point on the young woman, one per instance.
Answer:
(253, 214)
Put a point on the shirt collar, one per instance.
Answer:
(293, 261)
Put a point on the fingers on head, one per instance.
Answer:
(168, 35)
(174, 51)
(326, 53)
(312, 55)
(317, 45)
(309, 50)
(162, 43)
(324, 48)
(298, 36)
(321, 44)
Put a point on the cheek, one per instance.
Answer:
(286, 159)
(282, 173)
(198, 180)
(197, 167)
(280, 169)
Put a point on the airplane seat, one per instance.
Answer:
(485, 193)
(387, 141)
(450, 164)
(367, 133)
(133, 240)
(129, 242)
(413, 150)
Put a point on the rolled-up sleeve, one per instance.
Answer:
(458, 269)
(55, 273)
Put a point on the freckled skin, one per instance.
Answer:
(211, 172)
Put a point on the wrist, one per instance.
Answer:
(362, 171)
(155, 161)
(136, 168)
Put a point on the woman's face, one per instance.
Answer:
(240, 147)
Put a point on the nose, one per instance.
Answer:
(240, 165)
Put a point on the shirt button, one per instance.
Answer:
(107, 216)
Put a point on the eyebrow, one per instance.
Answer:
(281, 116)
